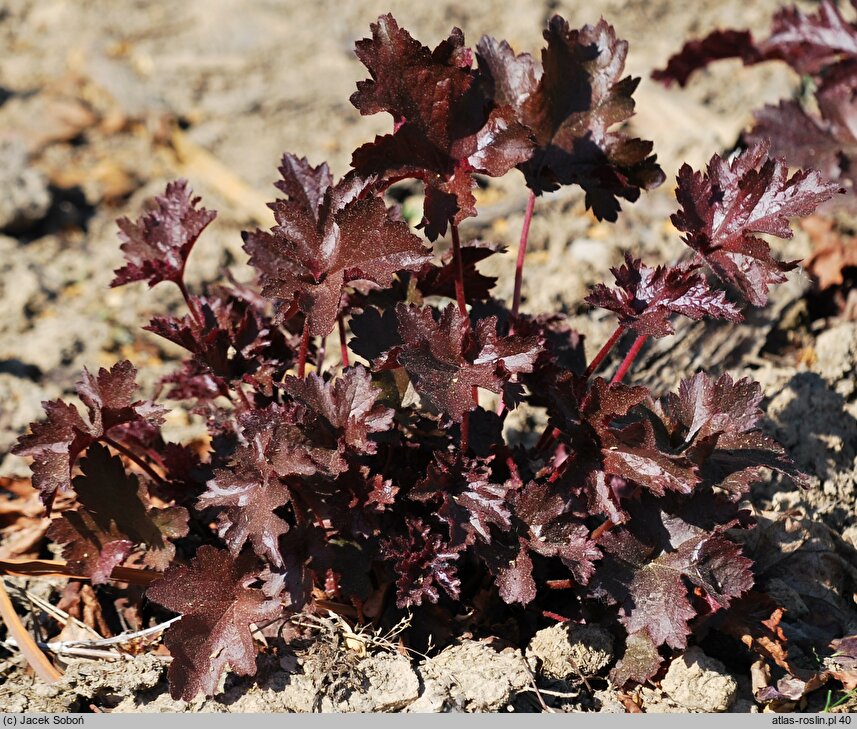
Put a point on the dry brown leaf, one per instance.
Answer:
(22, 521)
(46, 118)
(832, 251)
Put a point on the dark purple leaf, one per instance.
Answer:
(56, 443)
(571, 103)
(467, 499)
(376, 336)
(807, 42)
(113, 518)
(724, 208)
(249, 492)
(827, 142)
(217, 608)
(445, 127)
(515, 581)
(233, 341)
(327, 236)
(640, 661)
(423, 562)
(158, 243)
(345, 409)
(715, 424)
(645, 298)
(445, 361)
(434, 280)
(649, 574)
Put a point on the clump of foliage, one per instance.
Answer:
(817, 128)
(390, 485)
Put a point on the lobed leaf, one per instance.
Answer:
(807, 42)
(571, 103)
(445, 361)
(55, 443)
(446, 128)
(423, 562)
(725, 208)
(158, 243)
(648, 571)
(645, 297)
(326, 237)
(113, 518)
(217, 609)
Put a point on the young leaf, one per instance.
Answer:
(467, 499)
(232, 341)
(344, 411)
(249, 492)
(423, 563)
(571, 103)
(56, 443)
(113, 518)
(445, 128)
(158, 243)
(645, 297)
(723, 208)
(327, 236)
(633, 454)
(217, 609)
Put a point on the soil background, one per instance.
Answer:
(103, 102)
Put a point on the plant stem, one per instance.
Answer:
(319, 357)
(191, 304)
(131, 456)
(629, 358)
(459, 272)
(459, 292)
(290, 312)
(605, 526)
(604, 351)
(548, 436)
(57, 568)
(559, 584)
(244, 399)
(522, 252)
(303, 350)
(343, 344)
(465, 432)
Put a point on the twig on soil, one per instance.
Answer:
(68, 651)
(576, 667)
(64, 648)
(44, 669)
(61, 616)
(117, 639)
(535, 688)
(334, 623)
(557, 694)
(58, 568)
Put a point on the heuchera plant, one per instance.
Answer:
(390, 485)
